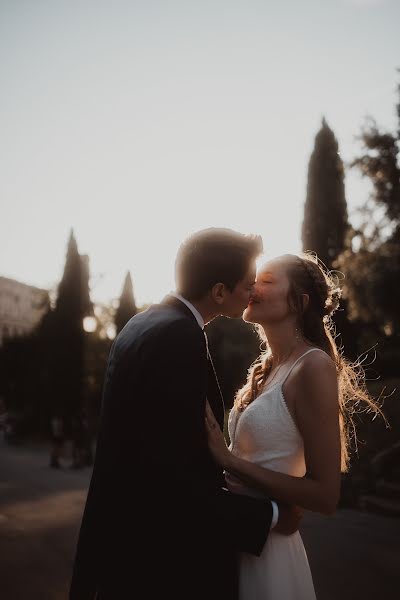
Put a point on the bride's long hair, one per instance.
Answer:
(308, 276)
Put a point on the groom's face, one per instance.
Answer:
(237, 300)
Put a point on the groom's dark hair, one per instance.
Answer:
(213, 256)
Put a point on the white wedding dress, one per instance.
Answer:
(265, 433)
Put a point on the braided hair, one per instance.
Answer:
(307, 275)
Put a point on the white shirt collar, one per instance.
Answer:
(190, 306)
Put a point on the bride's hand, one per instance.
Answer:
(216, 439)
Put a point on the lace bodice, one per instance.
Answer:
(265, 433)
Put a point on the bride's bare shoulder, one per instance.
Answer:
(317, 365)
(316, 372)
(317, 358)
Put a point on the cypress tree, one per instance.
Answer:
(68, 338)
(127, 306)
(73, 299)
(325, 226)
(325, 222)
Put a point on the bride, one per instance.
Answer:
(290, 423)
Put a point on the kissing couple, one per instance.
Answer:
(172, 510)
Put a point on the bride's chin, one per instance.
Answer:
(247, 316)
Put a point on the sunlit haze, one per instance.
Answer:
(137, 123)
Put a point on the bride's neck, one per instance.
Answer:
(283, 339)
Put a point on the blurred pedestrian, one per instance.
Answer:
(57, 439)
(3, 421)
(78, 441)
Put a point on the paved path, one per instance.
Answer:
(353, 555)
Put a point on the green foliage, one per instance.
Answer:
(380, 164)
(371, 264)
(372, 284)
(372, 437)
(371, 261)
(325, 213)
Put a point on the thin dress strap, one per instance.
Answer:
(296, 361)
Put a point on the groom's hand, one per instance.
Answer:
(289, 519)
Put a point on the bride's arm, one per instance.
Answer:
(314, 388)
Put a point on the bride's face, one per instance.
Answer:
(269, 300)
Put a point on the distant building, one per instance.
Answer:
(21, 307)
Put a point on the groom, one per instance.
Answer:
(157, 522)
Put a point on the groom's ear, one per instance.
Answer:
(218, 293)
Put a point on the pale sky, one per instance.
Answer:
(137, 123)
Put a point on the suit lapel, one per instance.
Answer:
(215, 397)
(214, 393)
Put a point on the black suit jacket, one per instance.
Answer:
(156, 517)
